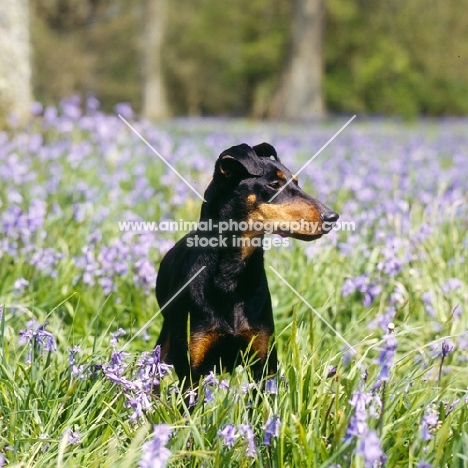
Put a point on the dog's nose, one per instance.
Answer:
(329, 217)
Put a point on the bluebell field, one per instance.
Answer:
(81, 383)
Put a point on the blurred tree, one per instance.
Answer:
(299, 95)
(155, 105)
(15, 69)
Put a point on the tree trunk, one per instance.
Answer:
(155, 104)
(15, 69)
(299, 95)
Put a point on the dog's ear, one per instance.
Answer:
(238, 162)
(265, 150)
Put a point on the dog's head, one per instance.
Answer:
(251, 184)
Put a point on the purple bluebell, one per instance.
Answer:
(228, 434)
(117, 362)
(78, 372)
(358, 421)
(115, 337)
(370, 449)
(383, 320)
(447, 347)
(271, 386)
(364, 285)
(20, 284)
(139, 402)
(271, 428)
(73, 437)
(246, 431)
(427, 299)
(387, 353)
(155, 453)
(429, 423)
(452, 284)
(37, 336)
(124, 109)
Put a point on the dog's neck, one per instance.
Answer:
(233, 262)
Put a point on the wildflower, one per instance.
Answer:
(427, 300)
(383, 320)
(124, 109)
(271, 428)
(369, 448)
(331, 371)
(429, 422)
(139, 403)
(246, 431)
(40, 337)
(151, 369)
(447, 348)
(391, 265)
(358, 424)
(118, 364)
(115, 337)
(1, 312)
(451, 284)
(386, 356)
(228, 434)
(271, 386)
(423, 465)
(155, 453)
(73, 437)
(20, 284)
(76, 371)
(364, 285)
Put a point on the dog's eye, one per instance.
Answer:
(275, 185)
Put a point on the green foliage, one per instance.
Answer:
(226, 58)
(398, 58)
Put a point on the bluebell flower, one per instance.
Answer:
(423, 464)
(427, 299)
(73, 437)
(124, 109)
(37, 336)
(115, 337)
(76, 371)
(387, 353)
(429, 423)
(20, 284)
(358, 422)
(155, 454)
(271, 428)
(370, 449)
(451, 284)
(271, 386)
(140, 403)
(362, 284)
(228, 434)
(246, 431)
(447, 347)
(383, 320)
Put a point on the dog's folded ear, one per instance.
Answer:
(265, 150)
(238, 162)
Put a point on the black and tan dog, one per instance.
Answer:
(226, 309)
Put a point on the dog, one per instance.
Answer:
(225, 311)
